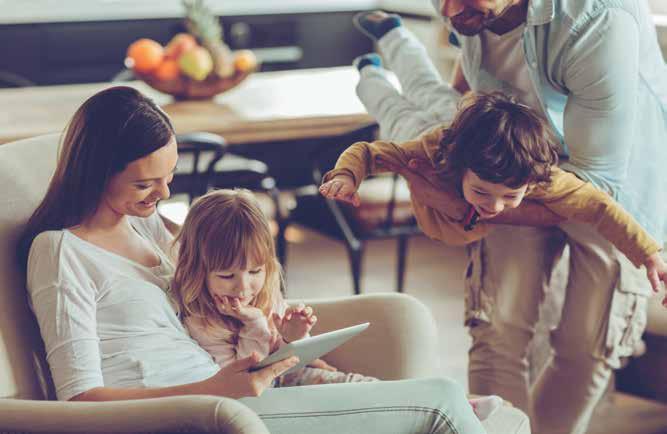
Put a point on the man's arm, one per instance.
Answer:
(529, 213)
(601, 75)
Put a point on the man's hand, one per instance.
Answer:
(656, 271)
(529, 213)
(341, 188)
(231, 306)
(296, 323)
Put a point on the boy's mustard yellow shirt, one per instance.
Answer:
(566, 195)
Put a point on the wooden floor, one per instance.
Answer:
(318, 267)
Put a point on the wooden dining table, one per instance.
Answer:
(268, 106)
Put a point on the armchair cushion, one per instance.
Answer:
(26, 167)
(397, 318)
(200, 414)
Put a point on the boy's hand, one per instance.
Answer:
(296, 323)
(656, 270)
(341, 187)
(231, 306)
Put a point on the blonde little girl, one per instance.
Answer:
(227, 284)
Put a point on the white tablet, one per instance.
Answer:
(309, 349)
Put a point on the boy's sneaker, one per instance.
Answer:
(364, 60)
(376, 24)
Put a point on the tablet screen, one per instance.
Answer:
(310, 348)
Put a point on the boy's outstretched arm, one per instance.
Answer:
(368, 158)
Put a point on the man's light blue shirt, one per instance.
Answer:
(600, 77)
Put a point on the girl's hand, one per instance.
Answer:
(341, 188)
(236, 381)
(321, 364)
(656, 271)
(232, 306)
(296, 323)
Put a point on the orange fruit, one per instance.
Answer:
(167, 70)
(145, 55)
(244, 60)
(179, 44)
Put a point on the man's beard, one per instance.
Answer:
(471, 22)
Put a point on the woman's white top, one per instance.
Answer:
(106, 320)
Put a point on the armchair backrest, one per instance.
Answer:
(26, 166)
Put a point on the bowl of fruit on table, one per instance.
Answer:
(193, 65)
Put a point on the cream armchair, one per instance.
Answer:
(400, 343)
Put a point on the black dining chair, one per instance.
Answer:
(380, 216)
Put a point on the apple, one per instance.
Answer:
(180, 44)
(196, 63)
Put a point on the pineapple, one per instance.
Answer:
(204, 25)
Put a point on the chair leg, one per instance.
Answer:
(282, 222)
(356, 256)
(402, 253)
(281, 243)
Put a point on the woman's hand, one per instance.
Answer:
(232, 306)
(296, 323)
(656, 271)
(341, 188)
(236, 381)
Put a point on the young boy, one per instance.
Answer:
(494, 154)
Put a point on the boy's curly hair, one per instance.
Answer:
(502, 141)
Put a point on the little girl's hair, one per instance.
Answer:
(500, 140)
(224, 229)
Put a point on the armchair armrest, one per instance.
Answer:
(200, 413)
(400, 342)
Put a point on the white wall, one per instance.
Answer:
(32, 11)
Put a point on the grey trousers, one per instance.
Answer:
(433, 406)
(425, 101)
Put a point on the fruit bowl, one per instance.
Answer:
(187, 70)
(193, 65)
(184, 88)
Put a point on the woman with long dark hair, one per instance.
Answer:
(98, 272)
